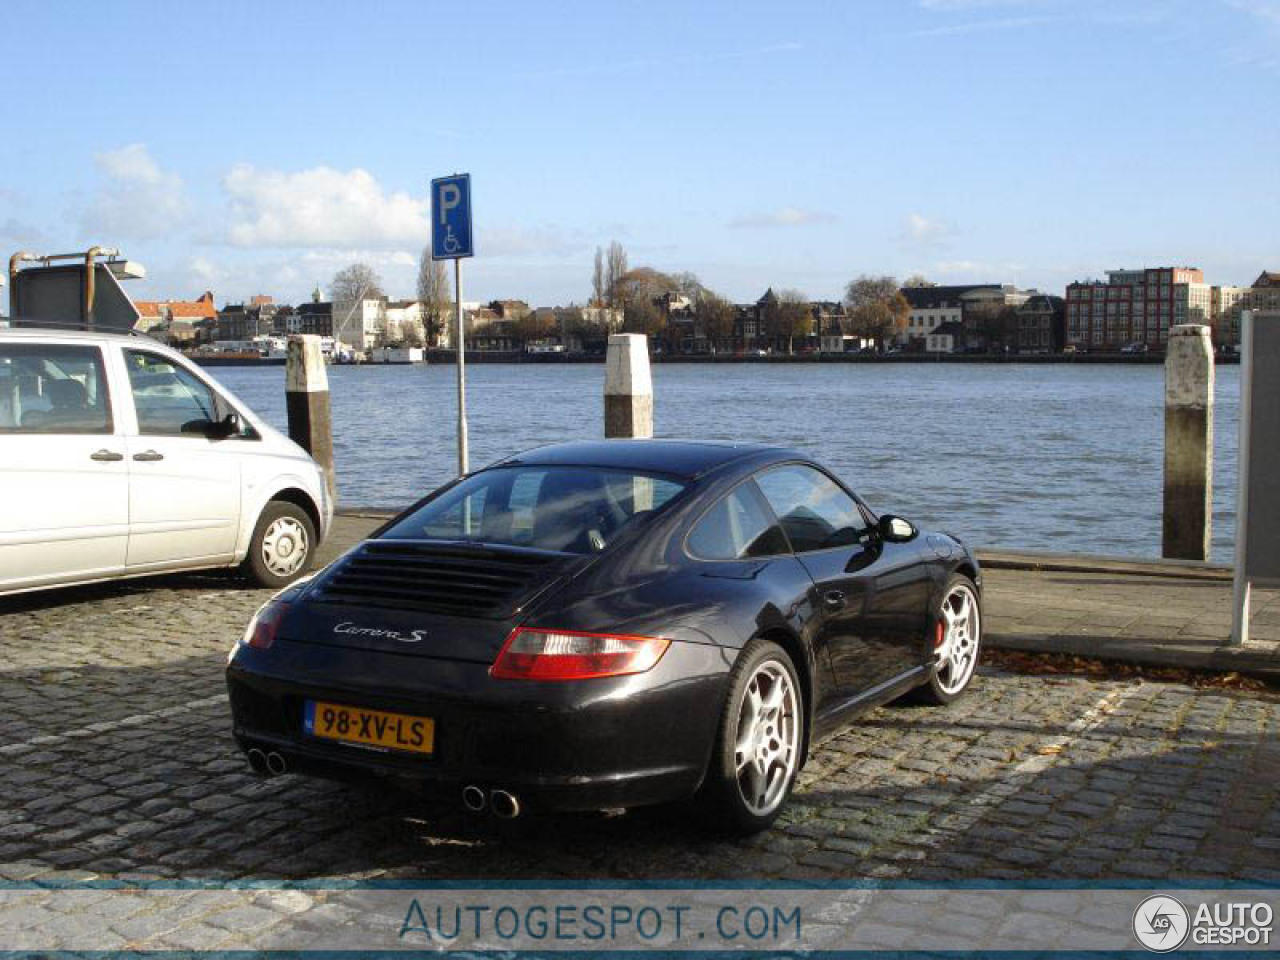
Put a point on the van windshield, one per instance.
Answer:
(561, 508)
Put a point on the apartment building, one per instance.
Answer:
(1136, 306)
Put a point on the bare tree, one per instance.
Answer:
(716, 316)
(599, 290)
(918, 280)
(436, 295)
(615, 267)
(643, 316)
(355, 282)
(687, 284)
(877, 307)
(349, 287)
(792, 317)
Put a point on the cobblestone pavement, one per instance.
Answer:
(117, 762)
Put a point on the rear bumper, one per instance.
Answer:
(580, 745)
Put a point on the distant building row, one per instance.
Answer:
(1138, 307)
(1132, 310)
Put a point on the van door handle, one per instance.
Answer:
(148, 455)
(834, 599)
(105, 454)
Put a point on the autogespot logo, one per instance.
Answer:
(1161, 923)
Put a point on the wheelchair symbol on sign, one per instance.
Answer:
(451, 244)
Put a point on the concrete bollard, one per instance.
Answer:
(628, 388)
(307, 404)
(1188, 443)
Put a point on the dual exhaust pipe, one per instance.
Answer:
(504, 804)
(267, 764)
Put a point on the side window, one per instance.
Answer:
(52, 388)
(815, 513)
(169, 400)
(736, 528)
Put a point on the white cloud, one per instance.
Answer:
(137, 201)
(920, 230)
(782, 217)
(321, 207)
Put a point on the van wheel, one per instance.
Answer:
(758, 745)
(283, 545)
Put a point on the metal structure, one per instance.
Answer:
(1258, 503)
(88, 292)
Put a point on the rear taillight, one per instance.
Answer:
(261, 632)
(531, 654)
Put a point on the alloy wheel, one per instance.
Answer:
(767, 744)
(961, 628)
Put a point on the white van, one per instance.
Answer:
(120, 458)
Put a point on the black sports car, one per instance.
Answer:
(608, 624)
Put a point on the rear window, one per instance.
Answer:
(568, 509)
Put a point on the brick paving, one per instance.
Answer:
(117, 762)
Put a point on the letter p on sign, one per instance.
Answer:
(450, 197)
(451, 217)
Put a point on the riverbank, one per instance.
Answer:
(515, 356)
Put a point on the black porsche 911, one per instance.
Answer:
(608, 624)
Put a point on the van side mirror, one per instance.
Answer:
(228, 426)
(895, 529)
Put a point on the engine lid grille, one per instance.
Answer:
(446, 578)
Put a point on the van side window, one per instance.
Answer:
(169, 400)
(53, 388)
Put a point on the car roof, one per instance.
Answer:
(69, 332)
(683, 458)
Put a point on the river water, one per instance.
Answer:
(1064, 457)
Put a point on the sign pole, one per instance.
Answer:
(451, 240)
(462, 370)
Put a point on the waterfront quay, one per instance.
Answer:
(118, 764)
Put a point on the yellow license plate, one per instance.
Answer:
(373, 728)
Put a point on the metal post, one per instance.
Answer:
(462, 370)
(1240, 591)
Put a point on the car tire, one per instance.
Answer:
(764, 691)
(283, 545)
(962, 642)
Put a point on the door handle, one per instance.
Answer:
(834, 598)
(105, 454)
(148, 455)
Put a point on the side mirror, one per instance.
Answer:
(228, 426)
(894, 529)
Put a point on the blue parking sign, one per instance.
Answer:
(451, 217)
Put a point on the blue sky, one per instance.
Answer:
(258, 147)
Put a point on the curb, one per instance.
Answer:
(995, 559)
(1260, 662)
